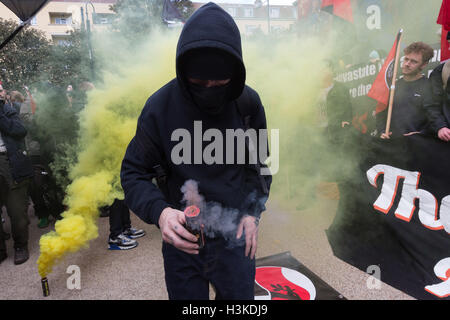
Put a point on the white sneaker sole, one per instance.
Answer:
(118, 247)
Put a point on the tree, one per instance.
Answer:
(30, 58)
(24, 58)
(185, 7)
(136, 18)
(69, 63)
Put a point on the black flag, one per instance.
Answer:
(170, 13)
(25, 10)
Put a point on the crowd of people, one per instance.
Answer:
(421, 104)
(25, 175)
(28, 148)
(210, 76)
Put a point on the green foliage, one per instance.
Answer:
(136, 18)
(185, 7)
(30, 58)
(69, 63)
(56, 128)
(24, 58)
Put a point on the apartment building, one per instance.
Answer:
(253, 16)
(59, 17)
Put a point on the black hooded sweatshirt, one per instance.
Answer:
(234, 186)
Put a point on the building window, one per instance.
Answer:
(61, 40)
(60, 18)
(33, 21)
(274, 12)
(248, 12)
(60, 21)
(250, 29)
(103, 18)
(232, 11)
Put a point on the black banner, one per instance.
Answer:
(282, 277)
(394, 215)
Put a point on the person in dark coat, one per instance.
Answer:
(439, 113)
(210, 77)
(15, 173)
(337, 108)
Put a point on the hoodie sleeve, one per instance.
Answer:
(256, 197)
(10, 123)
(142, 196)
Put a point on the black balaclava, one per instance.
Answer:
(209, 64)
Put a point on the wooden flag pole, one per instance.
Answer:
(392, 91)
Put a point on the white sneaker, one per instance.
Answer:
(122, 242)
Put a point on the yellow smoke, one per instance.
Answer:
(286, 74)
(107, 124)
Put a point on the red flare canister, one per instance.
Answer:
(194, 224)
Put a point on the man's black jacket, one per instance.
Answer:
(413, 102)
(13, 134)
(172, 108)
(339, 109)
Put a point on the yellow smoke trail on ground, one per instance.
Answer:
(107, 125)
(286, 74)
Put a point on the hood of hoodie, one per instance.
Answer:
(212, 27)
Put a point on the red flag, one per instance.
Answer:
(444, 20)
(445, 47)
(340, 8)
(444, 15)
(381, 86)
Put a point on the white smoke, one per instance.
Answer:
(218, 221)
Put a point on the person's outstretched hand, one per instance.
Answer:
(249, 225)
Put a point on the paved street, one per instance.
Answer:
(138, 273)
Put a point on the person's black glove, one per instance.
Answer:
(2, 103)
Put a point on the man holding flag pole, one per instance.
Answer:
(402, 103)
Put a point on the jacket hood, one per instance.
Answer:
(212, 27)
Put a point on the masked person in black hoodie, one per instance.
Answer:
(209, 93)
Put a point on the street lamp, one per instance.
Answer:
(88, 23)
(258, 4)
(88, 30)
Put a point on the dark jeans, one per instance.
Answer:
(119, 218)
(15, 198)
(44, 191)
(2, 236)
(229, 271)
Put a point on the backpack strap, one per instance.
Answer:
(161, 172)
(246, 109)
